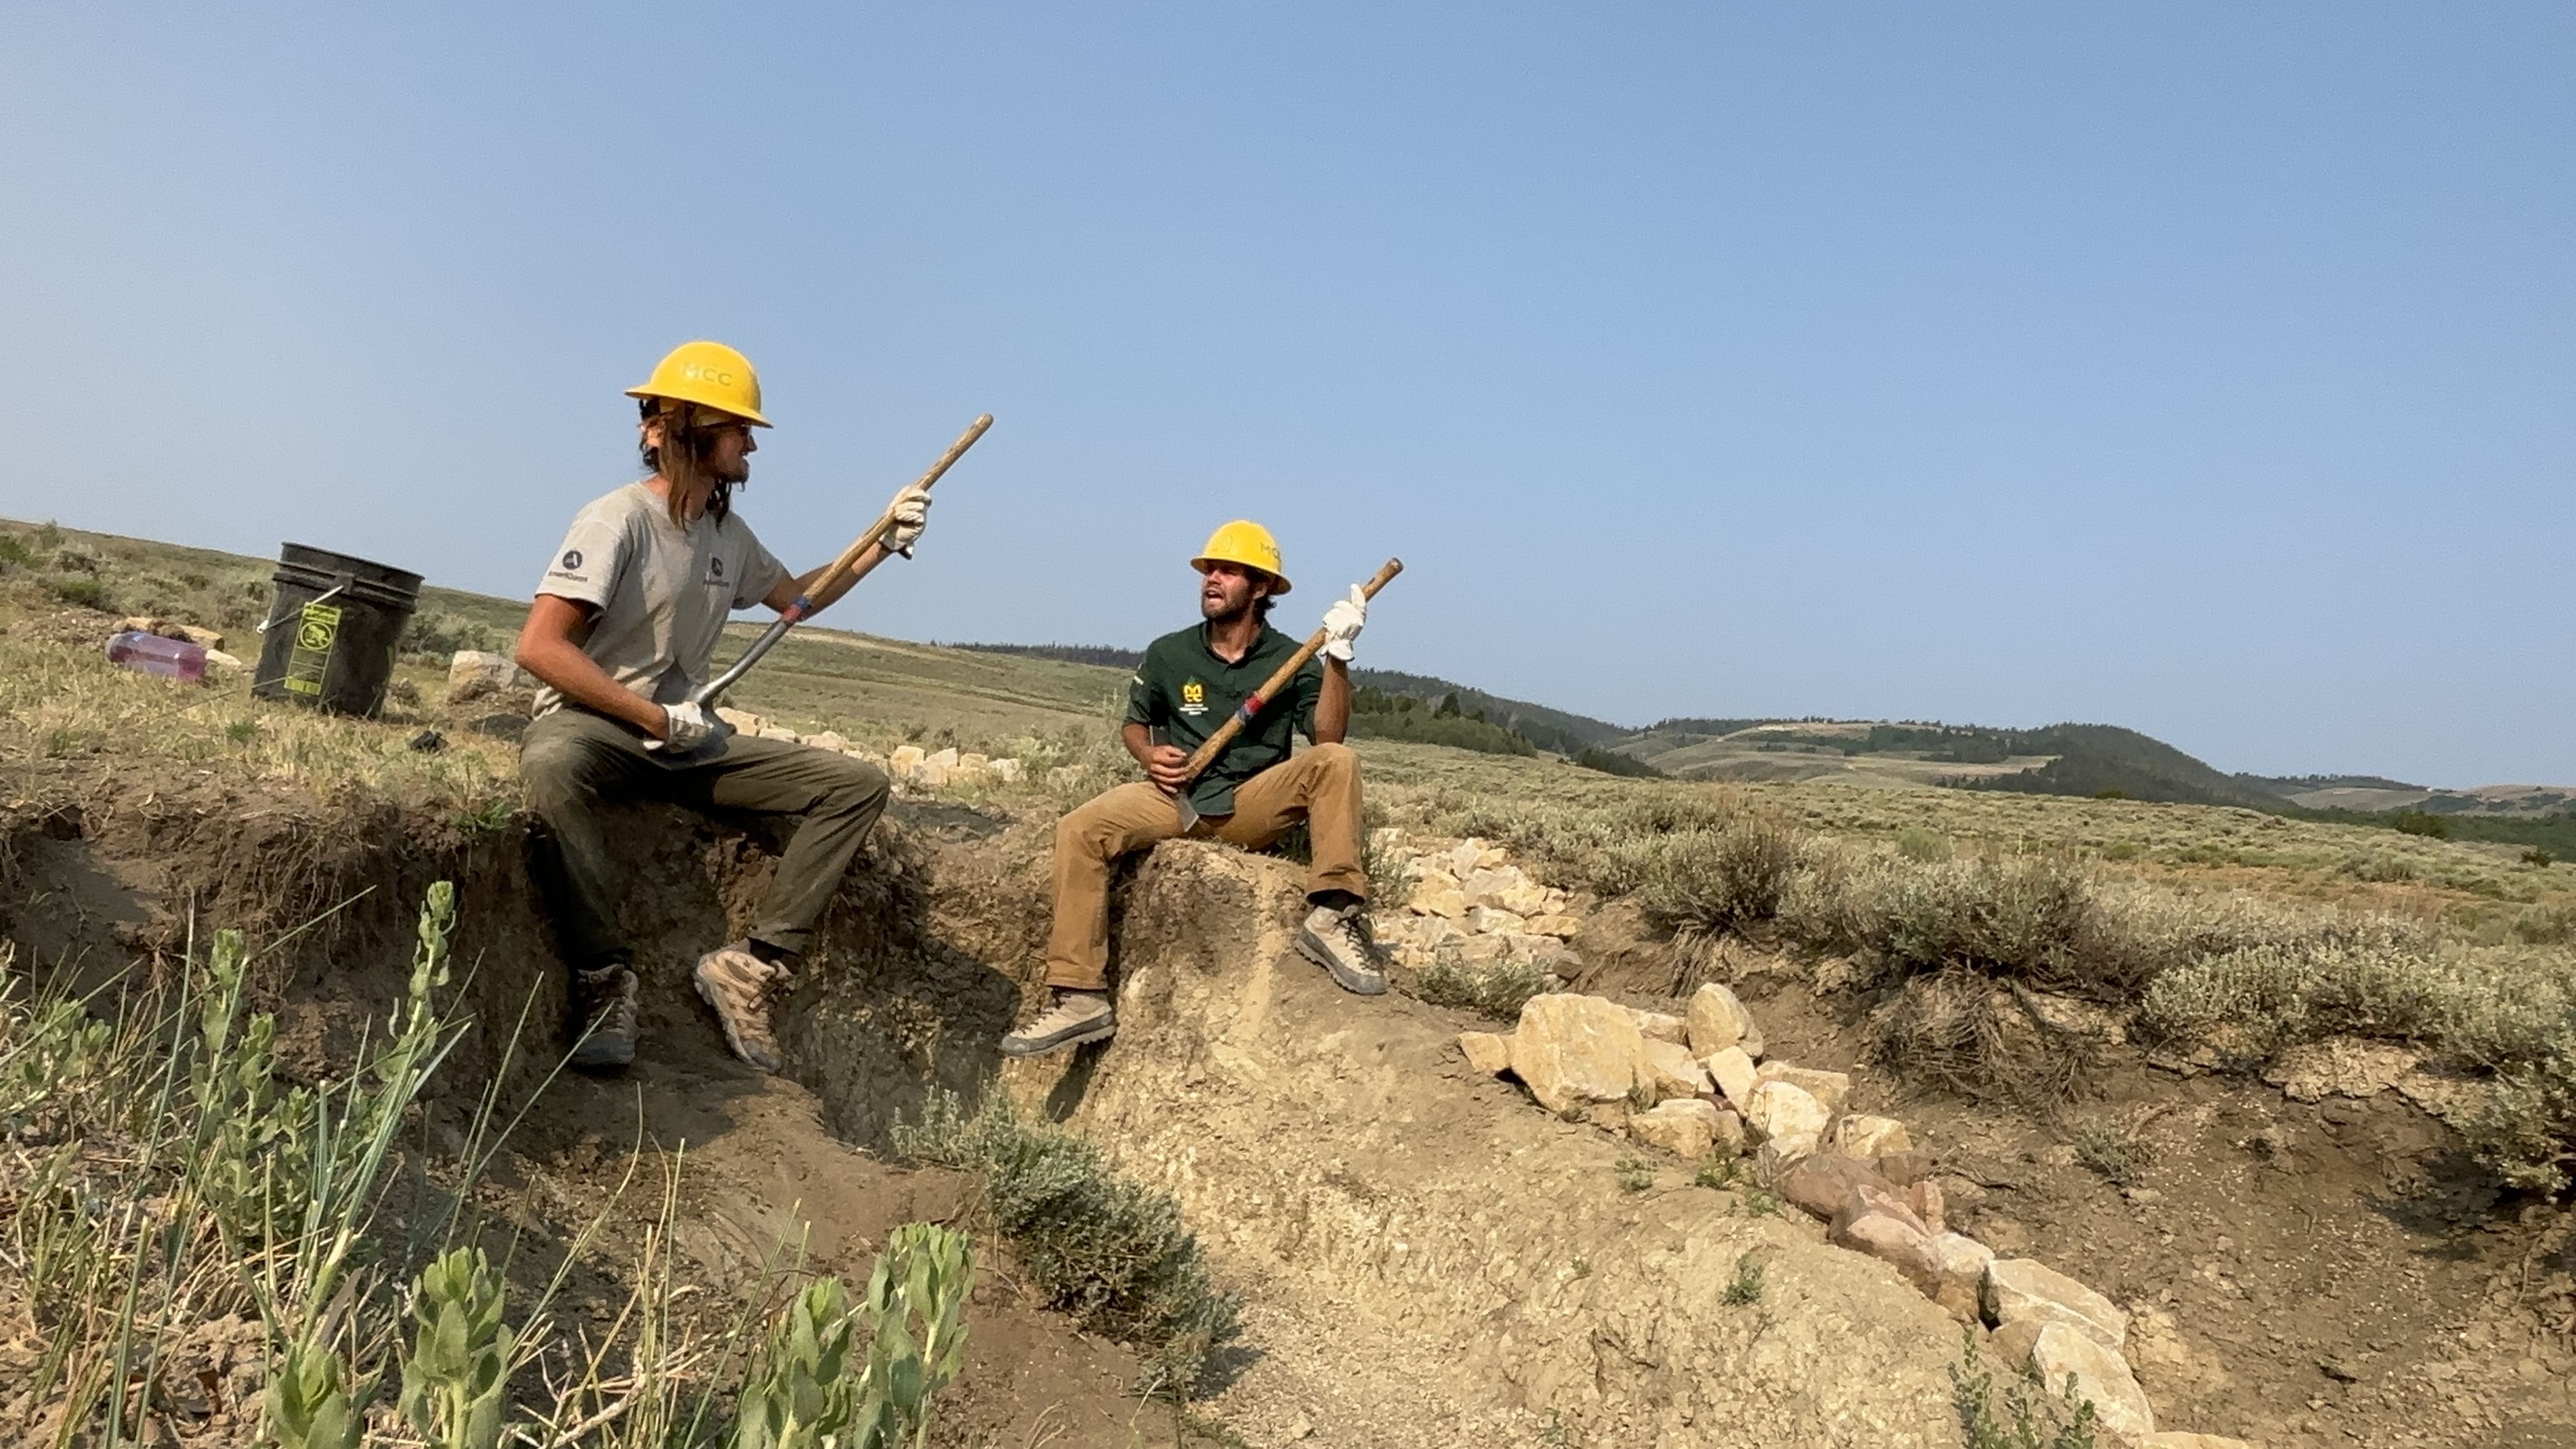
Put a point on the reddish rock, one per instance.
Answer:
(1894, 1241)
(1822, 1184)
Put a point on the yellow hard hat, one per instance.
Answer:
(1247, 543)
(709, 374)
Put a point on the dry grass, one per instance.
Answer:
(2202, 926)
(61, 705)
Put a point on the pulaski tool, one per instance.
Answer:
(1205, 755)
(844, 572)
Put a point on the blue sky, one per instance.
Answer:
(2204, 369)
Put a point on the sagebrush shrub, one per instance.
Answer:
(1705, 884)
(1109, 1251)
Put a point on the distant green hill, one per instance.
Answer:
(2092, 759)
(1559, 730)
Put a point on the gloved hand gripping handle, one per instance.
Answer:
(844, 571)
(1205, 755)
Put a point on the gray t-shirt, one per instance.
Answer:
(662, 592)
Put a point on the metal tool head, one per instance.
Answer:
(1189, 811)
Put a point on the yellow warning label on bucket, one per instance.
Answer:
(316, 630)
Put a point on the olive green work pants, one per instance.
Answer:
(1320, 786)
(573, 762)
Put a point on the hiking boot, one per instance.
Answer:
(738, 985)
(604, 1002)
(1337, 938)
(1075, 1018)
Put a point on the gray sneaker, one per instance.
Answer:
(604, 1001)
(1338, 940)
(737, 984)
(1075, 1018)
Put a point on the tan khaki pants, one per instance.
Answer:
(1320, 786)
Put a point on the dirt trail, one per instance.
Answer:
(1429, 1259)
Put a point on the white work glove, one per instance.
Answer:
(1343, 622)
(691, 728)
(911, 510)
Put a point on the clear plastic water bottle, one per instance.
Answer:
(169, 658)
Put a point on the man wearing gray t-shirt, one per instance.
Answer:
(624, 625)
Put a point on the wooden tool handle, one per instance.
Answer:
(1206, 753)
(845, 570)
(834, 581)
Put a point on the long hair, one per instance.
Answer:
(682, 459)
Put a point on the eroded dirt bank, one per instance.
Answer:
(1426, 1258)
(98, 879)
(1430, 1260)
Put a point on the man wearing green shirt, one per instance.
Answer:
(1188, 685)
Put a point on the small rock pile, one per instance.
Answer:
(1698, 1086)
(1470, 904)
(909, 764)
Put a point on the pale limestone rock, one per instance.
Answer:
(1557, 924)
(1489, 887)
(1486, 1051)
(829, 740)
(780, 733)
(943, 759)
(2170, 1440)
(1008, 770)
(1730, 1132)
(1831, 1088)
(971, 763)
(1657, 1026)
(474, 673)
(2101, 1375)
(1863, 1136)
(1569, 1050)
(218, 660)
(1733, 1072)
(1498, 922)
(905, 761)
(742, 720)
(1686, 1129)
(1892, 1240)
(1433, 878)
(1669, 1073)
(1717, 1020)
(1783, 1109)
(1925, 1197)
(1781, 1155)
(1464, 857)
(1752, 1042)
(2012, 1343)
(1963, 1263)
(1527, 899)
(1444, 901)
(2020, 1289)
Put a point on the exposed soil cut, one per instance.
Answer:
(99, 876)
(1427, 1258)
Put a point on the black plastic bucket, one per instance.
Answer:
(332, 629)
